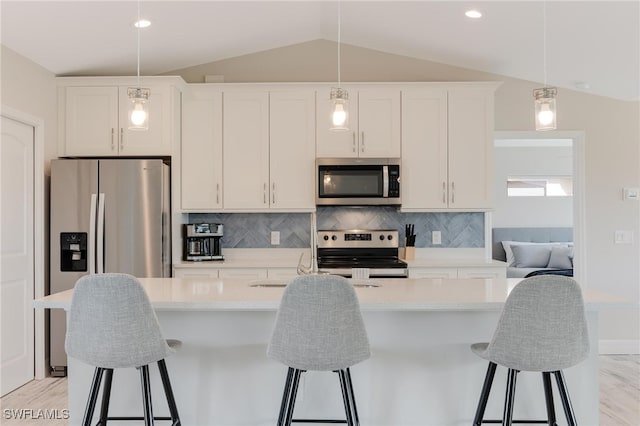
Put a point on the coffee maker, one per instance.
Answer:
(202, 241)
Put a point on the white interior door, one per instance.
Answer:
(16, 254)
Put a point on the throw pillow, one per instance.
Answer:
(560, 257)
(531, 256)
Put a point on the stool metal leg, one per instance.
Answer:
(564, 396)
(484, 395)
(548, 397)
(106, 395)
(345, 397)
(352, 397)
(292, 396)
(146, 395)
(168, 392)
(285, 397)
(93, 396)
(507, 418)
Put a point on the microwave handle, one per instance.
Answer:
(385, 181)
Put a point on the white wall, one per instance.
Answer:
(29, 88)
(528, 161)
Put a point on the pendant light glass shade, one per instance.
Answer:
(139, 97)
(545, 106)
(339, 97)
(339, 100)
(138, 108)
(545, 97)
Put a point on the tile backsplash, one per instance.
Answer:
(253, 230)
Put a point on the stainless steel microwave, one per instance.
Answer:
(358, 181)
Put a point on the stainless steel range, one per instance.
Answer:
(376, 250)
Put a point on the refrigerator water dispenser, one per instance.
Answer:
(73, 251)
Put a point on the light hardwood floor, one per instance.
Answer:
(619, 397)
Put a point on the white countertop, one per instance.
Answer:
(210, 294)
(455, 263)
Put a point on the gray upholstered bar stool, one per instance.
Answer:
(319, 327)
(542, 328)
(112, 325)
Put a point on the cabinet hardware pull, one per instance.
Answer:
(274, 192)
(121, 138)
(354, 141)
(217, 193)
(444, 193)
(113, 145)
(264, 194)
(453, 192)
(362, 142)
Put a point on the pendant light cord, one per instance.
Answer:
(138, 28)
(339, 38)
(544, 40)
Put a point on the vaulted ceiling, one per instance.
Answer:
(591, 45)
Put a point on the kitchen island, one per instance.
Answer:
(421, 372)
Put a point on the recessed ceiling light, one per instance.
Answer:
(473, 14)
(142, 23)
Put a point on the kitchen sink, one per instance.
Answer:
(359, 283)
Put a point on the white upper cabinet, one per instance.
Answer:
(246, 149)
(471, 148)
(292, 149)
(374, 124)
(447, 148)
(94, 121)
(201, 153)
(424, 148)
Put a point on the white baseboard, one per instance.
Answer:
(619, 347)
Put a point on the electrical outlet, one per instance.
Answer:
(436, 238)
(275, 238)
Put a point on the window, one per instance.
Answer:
(540, 187)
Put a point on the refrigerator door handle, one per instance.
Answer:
(100, 232)
(92, 235)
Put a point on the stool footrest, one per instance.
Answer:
(518, 421)
(136, 418)
(316, 421)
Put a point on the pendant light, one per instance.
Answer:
(339, 97)
(545, 97)
(139, 97)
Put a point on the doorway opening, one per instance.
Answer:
(544, 174)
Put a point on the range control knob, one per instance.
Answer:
(333, 237)
(381, 237)
(326, 238)
(389, 237)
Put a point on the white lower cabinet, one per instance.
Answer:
(433, 273)
(458, 272)
(245, 274)
(195, 273)
(497, 272)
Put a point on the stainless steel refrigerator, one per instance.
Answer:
(110, 215)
